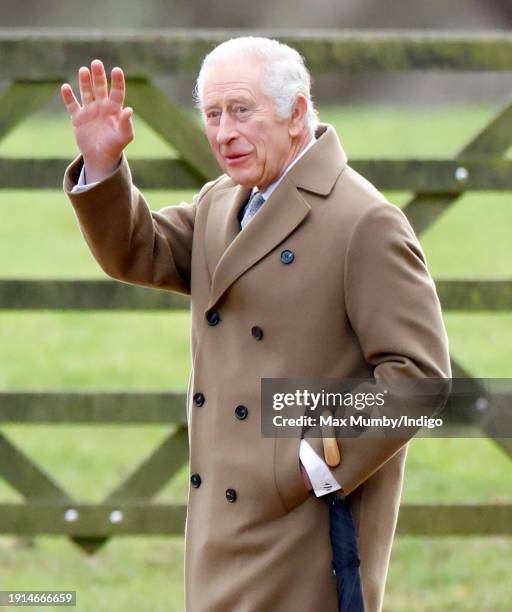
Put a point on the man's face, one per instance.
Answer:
(252, 145)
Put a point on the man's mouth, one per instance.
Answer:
(235, 158)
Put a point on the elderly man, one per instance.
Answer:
(297, 267)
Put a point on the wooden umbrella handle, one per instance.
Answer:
(331, 452)
(331, 449)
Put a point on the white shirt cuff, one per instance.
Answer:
(318, 471)
(82, 185)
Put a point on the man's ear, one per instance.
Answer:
(298, 116)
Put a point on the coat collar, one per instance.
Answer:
(230, 251)
(321, 166)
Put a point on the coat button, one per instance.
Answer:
(241, 412)
(213, 317)
(199, 399)
(287, 256)
(195, 479)
(257, 332)
(231, 495)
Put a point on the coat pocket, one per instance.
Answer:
(289, 482)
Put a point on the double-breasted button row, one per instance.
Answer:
(241, 412)
(213, 317)
(195, 480)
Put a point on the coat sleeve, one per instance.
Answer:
(130, 242)
(393, 307)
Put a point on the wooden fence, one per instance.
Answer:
(35, 63)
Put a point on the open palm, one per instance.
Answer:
(102, 126)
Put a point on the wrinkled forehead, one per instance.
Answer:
(225, 79)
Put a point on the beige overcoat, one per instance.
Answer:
(356, 301)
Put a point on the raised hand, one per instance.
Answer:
(103, 128)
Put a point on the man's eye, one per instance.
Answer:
(241, 109)
(214, 114)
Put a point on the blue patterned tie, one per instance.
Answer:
(252, 207)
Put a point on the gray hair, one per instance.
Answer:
(284, 73)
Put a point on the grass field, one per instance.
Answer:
(39, 238)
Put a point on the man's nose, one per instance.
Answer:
(227, 129)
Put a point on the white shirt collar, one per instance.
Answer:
(273, 186)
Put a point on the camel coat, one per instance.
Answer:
(356, 301)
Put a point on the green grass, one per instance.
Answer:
(39, 238)
(109, 351)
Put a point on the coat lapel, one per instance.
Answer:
(275, 220)
(231, 251)
(222, 225)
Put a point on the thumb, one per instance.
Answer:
(125, 121)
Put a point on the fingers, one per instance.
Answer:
(117, 87)
(68, 97)
(85, 85)
(99, 80)
(94, 86)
